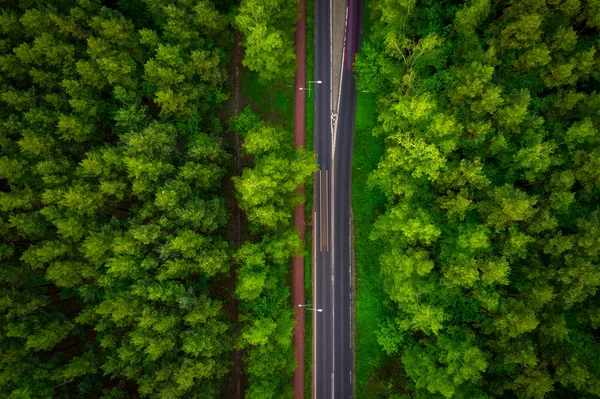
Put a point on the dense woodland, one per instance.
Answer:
(114, 163)
(490, 112)
(120, 276)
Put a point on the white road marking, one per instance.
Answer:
(320, 210)
(332, 199)
(330, 51)
(314, 300)
(332, 324)
(333, 123)
(326, 210)
(343, 56)
(331, 111)
(333, 269)
(332, 385)
(337, 110)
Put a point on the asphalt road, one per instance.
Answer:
(332, 351)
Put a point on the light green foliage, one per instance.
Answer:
(444, 368)
(413, 226)
(264, 140)
(490, 116)
(268, 30)
(268, 191)
(258, 258)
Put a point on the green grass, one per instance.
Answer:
(366, 205)
(274, 102)
(310, 117)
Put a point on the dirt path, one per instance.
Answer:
(237, 354)
(299, 222)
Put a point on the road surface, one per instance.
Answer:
(332, 351)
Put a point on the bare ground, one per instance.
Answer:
(235, 382)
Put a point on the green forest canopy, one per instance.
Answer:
(115, 251)
(115, 254)
(492, 176)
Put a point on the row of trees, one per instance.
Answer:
(267, 192)
(112, 213)
(491, 171)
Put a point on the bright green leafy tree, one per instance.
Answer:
(490, 115)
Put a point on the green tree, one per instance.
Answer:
(111, 211)
(489, 115)
(268, 31)
(268, 191)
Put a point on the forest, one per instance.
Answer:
(121, 275)
(146, 220)
(490, 232)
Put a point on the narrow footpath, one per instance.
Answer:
(299, 222)
(237, 353)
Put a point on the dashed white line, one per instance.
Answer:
(332, 385)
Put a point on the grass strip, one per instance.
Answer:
(273, 102)
(367, 204)
(310, 118)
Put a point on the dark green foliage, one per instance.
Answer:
(110, 209)
(491, 176)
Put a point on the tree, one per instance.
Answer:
(268, 31)
(111, 213)
(489, 116)
(267, 192)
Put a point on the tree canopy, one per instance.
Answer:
(490, 114)
(268, 28)
(111, 208)
(267, 193)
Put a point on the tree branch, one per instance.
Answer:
(495, 316)
(451, 32)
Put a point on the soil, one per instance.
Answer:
(237, 354)
(235, 383)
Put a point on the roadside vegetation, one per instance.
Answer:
(366, 205)
(268, 195)
(115, 253)
(487, 247)
(268, 28)
(308, 269)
